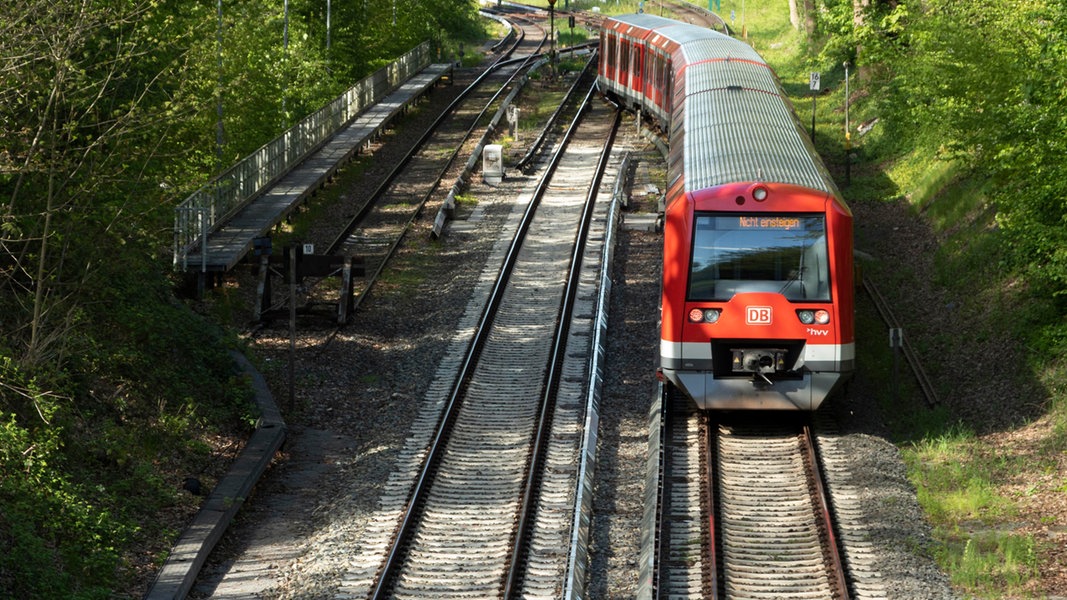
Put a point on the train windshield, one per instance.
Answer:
(737, 253)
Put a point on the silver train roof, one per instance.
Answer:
(738, 127)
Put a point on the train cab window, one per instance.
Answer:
(780, 253)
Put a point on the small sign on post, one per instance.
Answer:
(513, 121)
(896, 342)
(814, 84)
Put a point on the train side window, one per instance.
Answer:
(611, 54)
(662, 79)
(669, 88)
(607, 44)
(638, 67)
(652, 75)
(644, 74)
(779, 253)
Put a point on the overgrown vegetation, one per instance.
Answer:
(111, 389)
(957, 108)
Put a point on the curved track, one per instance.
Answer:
(380, 223)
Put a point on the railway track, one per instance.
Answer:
(750, 516)
(777, 536)
(381, 221)
(473, 504)
(461, 555)
(698, 15)
(886, 312)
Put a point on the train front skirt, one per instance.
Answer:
(805, 392)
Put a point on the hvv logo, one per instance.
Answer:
(758, 315)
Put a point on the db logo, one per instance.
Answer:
(758, 315)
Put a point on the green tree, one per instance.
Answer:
(76, 87)
(982, 83)
(108, 118)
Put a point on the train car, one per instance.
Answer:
(757, 295)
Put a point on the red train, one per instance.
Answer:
(757, 304)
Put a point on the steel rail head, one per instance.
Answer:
(659, 549)
(536, 145)
(886, 312)
(827, 520)
(501, 62)
(711, 496)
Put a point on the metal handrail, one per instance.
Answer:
(208, 207)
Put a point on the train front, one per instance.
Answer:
(757, 307)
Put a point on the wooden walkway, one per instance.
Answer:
(229, 243)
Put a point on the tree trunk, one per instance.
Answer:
(859, 7)
(809, 17)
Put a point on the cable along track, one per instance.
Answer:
(470, 505)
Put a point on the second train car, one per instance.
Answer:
(757, 293)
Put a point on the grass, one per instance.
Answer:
(955, 483)
(958, 486)
(991, 563)
(535, 106)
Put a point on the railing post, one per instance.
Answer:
(203, 240)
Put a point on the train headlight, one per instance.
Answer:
(704, 315)
(759, 194)
(809, 317)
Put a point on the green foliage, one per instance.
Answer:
(981, 82)
(954, 480)
(110, 114)
(80, 465)
(47, 520)
(836, 27)
(990, 560)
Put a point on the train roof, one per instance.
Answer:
(743, 135)
(738, 125)
(645, 20)
(701, 41)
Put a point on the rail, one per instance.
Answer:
(880, 303)
(825, 510)
(208, 207)
(524, 526)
